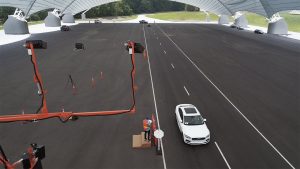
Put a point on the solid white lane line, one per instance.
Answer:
(187, 92)
(154, 99)
(165, 52)
(222, 155)
(278, 152)
(172, 66)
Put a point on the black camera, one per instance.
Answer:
(38, 152)
(138, 47)
(37, 44)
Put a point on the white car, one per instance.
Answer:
(192, 125)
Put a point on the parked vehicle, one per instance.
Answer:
(64, 28)
(143, 21)
(233, 26)
(97, 21)
(257, 31)
(239, 28)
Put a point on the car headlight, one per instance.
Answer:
(186, 136)
(208, 136)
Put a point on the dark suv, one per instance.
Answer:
(257, 31)
(143, 22)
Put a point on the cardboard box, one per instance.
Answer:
(136, 141)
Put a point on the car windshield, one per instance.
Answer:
(193, 120)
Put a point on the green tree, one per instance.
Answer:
(4, 12)
(146, 6)
(120, 8)
(41, 15)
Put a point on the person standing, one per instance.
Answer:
(147, 128)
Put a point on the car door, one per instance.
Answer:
(179, 117)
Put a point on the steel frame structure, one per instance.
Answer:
(265, 8)
(42, 113)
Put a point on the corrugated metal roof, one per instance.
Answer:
(226, 7)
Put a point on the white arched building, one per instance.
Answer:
(223, 8)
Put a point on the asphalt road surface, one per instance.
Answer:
(245, 85)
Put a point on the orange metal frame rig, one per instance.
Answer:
(42, 112)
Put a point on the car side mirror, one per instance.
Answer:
(204, 120)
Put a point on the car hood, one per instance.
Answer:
(195, 131)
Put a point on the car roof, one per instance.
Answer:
(189, 110)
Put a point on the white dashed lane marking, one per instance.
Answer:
(222, 155)
(187, 92)
(172, 66)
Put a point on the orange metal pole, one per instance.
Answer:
(154, 128)
(38, 77)
(6, 164)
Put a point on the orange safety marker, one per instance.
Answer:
(135, 87)
(74, 91)
(145, 54)
(93, 82)
(101, 75)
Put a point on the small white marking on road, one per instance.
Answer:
(222, 155)
(165, 52)
(157, 38)
(160, 44)
(154, 99)
(187, 92)
(172, 66)
(226, 98)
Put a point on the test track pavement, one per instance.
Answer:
(258, 73)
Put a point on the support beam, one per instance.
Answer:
(67, 6)
(68, 18)
(240, 20)
(277, 25)
(223, 19)
(226, 7)
(83, 17)
(207, 19)
(53, 19)
(29, 8)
